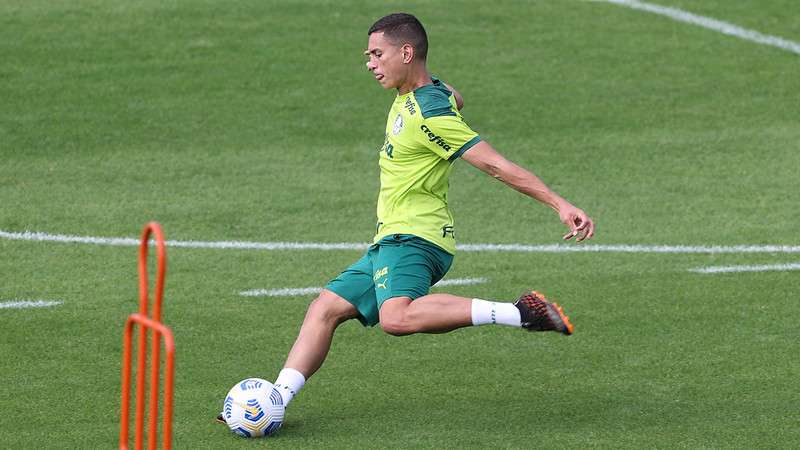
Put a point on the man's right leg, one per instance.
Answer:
(311, 347)
(349, 295)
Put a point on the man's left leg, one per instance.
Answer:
(404, 270)
(433, 313)
(440, 313)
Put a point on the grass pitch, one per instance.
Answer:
(257, 121)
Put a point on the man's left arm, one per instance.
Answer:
(487, 159)
(457, 96)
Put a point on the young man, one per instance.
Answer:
(414, 243)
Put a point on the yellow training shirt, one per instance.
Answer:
(425, 134)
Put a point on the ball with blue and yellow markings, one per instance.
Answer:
(253, 408)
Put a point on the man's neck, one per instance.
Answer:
(417, 78)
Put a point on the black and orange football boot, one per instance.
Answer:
(538, 314)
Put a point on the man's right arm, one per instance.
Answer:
(487, 159)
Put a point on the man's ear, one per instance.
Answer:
(408, 53)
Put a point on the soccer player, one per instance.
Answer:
(414, 243)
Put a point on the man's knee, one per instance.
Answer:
(395, 326)
(330, 308)
(395, 318)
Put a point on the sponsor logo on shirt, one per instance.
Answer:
(410, 106)
(435, 138)
(381, 273)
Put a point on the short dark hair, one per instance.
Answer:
(402, 28)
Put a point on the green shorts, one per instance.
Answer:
(399, 265)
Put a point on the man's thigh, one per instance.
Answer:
(355, 285)
(334, 305)
(407, 271)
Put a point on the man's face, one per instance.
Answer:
(385, 61)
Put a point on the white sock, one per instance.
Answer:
(488, 312)
(289, 383)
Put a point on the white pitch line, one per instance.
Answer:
(131, 242)
(461, 282)
(611, 248)
(710, 23)
(282, 292)
(20, 304)
(516, 248)
(293, 292)
(735, 269)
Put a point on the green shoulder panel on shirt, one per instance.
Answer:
(434, 100)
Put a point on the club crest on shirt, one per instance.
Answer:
(398, 124)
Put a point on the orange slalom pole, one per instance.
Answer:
(159, 330)
(169, 347)
(155, 229)
(161, 268)
(126, 384)
(140, 368)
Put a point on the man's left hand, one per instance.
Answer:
(579, 223)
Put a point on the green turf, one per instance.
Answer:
(257, 121)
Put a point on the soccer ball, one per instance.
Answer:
(253, 408)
